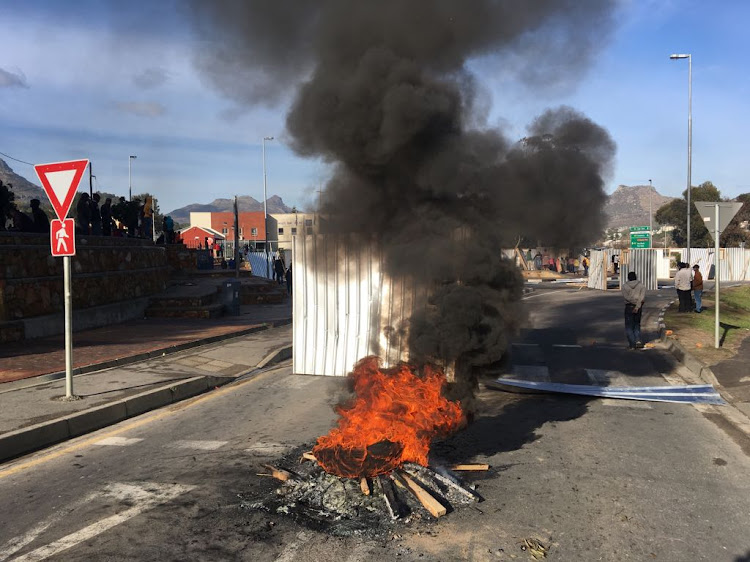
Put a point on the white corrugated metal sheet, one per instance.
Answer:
(643, 262)
(597, 270)
(345, 307)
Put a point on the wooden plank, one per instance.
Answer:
(470, 467)
(308, 456)
(389, 496)
(435, 508)
(279, 473)
(364, 485)
(428, 473)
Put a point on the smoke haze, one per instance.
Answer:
(381, 90)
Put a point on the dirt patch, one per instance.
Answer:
(695, 332)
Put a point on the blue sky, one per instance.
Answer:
(104, 80)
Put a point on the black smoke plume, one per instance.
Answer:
(382, 91)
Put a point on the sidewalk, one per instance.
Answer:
(730, 377)
(129, 369)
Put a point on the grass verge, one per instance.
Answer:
(695, 332)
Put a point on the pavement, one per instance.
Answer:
(730, 377)
(127, 369)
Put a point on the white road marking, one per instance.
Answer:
(288, 554)
(201, 445)
(539, 373)
(576, 346)
(18, 543)
(119, 441)
(144, 495)
(268, 448)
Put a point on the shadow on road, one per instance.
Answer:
(515, 424)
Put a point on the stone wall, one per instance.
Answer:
(105, 270)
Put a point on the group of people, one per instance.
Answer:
(567, 264)
(92, 219)
(37, 222)
(686, 281)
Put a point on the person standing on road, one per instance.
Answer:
(682, 281)
(634, 293)
(697, 287)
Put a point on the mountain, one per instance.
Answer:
(245, 203)
(23, 189)
(628, 205)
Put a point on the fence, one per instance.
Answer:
(734, 264)
(643, 261)
(345, 307)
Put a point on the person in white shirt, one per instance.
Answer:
(682, 282)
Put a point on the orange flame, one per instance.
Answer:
(394, 417)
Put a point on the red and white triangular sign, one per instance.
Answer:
(60, 181)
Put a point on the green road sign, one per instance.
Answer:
(640, 237)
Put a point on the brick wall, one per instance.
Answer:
(105, 270)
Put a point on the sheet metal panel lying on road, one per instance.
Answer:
(690, 394)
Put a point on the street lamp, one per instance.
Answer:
(689, 57)
(265, 205)
(130, 183)
(650, 210)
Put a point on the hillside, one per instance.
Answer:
(244, 202)
(23, 189)
(628, 205)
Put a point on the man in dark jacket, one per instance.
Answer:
(634, 294)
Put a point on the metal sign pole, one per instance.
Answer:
(717, 275)
(68, 328)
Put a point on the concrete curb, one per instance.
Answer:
(130, 359)
(32, 438)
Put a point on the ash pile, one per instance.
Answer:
(411, 494)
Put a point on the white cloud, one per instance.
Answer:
(12, 79)
(143, 109)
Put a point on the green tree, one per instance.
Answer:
(674, 214)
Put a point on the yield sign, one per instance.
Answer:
(727, 210)
(60, 182)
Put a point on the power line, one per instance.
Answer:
(16, 159)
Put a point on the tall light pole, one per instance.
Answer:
(265, 205)
(689, 57)
(650, 211)
(130, 182)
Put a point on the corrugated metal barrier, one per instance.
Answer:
(345, 307)
(643, 262)
(597, 270)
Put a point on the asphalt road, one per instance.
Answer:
(590, 479)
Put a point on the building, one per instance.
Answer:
(252, 230)
(295, 224)
(195, 236)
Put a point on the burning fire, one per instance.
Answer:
(394, 417)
